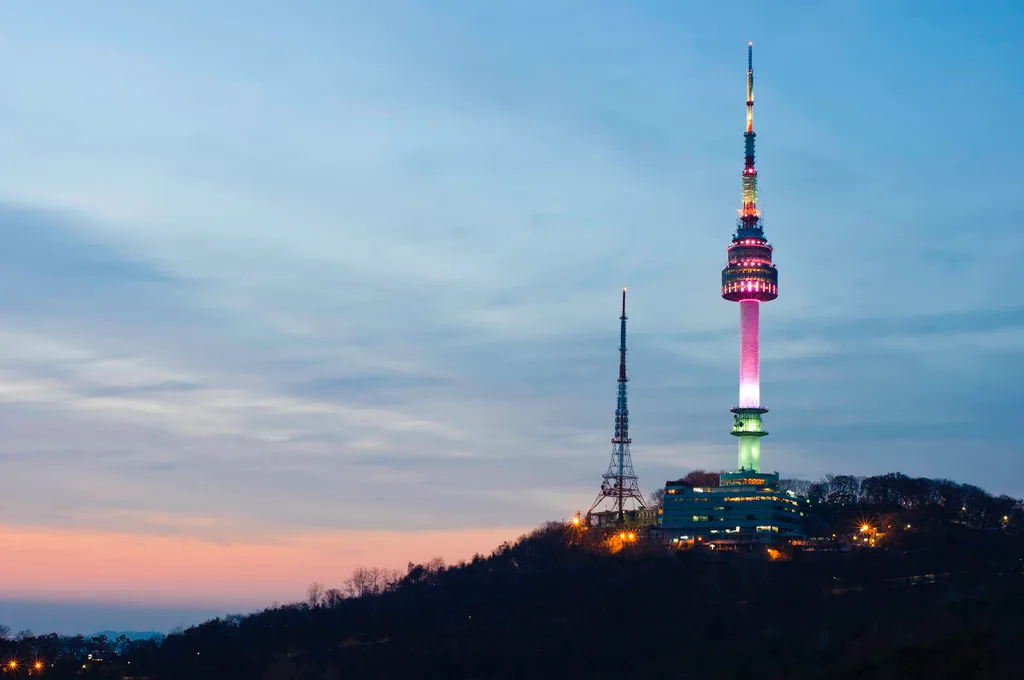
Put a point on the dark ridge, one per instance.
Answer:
(941, 595)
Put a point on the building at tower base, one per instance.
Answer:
(745, 508)
(637, 518)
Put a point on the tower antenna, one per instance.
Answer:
(619, 484)
(750, 88)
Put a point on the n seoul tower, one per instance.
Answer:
(749, 278)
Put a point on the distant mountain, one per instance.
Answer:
(132, 634)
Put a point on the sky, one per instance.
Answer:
(290, 288)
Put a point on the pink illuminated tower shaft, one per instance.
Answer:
(749, 278)
(750, 378)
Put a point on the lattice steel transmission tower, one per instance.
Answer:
(619, 484)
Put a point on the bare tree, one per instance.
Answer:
(842, 489)
(657, 499)
(385, 578)
(5, 631)
(315, 594)
(333, 597)
(359, 583)
(370, 581)
(798, 486)
(702, 478)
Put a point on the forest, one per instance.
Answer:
(938, 592)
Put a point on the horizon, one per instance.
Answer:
(293, 291)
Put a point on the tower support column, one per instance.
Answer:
(750, 366)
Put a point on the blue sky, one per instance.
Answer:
(331, 267)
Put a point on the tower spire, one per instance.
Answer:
(749, 214)
(750, 87)
(619, 483)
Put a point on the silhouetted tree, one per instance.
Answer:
(333, 597)
(797, 486)
(702, 478)
(369, 581)
(841, 489)
(315, 594)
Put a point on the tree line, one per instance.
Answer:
(965, 503)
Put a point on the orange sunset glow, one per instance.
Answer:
(74, 565)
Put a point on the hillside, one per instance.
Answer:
(948, 602)
(941, 595)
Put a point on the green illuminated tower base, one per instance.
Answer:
(746, 424)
